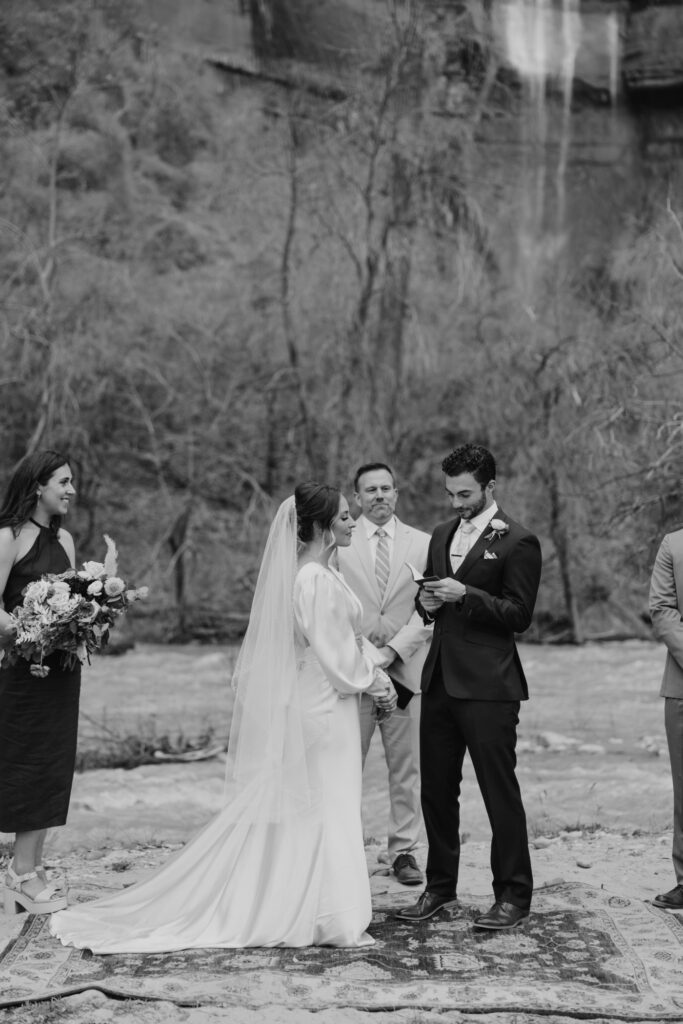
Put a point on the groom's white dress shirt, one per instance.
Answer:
(468, 533)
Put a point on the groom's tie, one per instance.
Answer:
(462, 542)
(382, 564)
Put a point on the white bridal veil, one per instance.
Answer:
(268, 762)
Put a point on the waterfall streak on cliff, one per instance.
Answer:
(614, 50)
(541, 39)
(571, 38)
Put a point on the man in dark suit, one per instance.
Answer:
(488, 570)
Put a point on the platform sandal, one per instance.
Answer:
(47, 901)
(41, 871)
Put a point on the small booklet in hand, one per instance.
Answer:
(403, 695)
(419, 578)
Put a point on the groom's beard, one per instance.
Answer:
(474, 510)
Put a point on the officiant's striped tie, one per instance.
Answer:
(382, 564)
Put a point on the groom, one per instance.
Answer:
(488, 570)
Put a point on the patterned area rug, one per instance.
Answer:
(583, 952)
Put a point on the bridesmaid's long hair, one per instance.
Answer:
(20, 498)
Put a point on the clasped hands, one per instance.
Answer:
(384, 703)
(433, 595)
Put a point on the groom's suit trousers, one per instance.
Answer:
(450, 726)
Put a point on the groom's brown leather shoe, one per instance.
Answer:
(428, 904)
(672, 900)
(501, 916)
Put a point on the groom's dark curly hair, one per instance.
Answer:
(471, 458)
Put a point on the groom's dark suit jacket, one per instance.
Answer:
(474, 640)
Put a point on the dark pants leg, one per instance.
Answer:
(673, 723)
(490, 732)
(442, 750)
(488, 729)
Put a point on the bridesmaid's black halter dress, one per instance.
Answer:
(38, 717)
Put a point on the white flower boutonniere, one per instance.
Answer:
(498, 529)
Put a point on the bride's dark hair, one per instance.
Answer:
(315, 504)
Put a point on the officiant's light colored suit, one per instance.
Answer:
(666, 612)
(393, 617)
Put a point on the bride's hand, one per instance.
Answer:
(385, 704)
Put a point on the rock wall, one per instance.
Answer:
(596, 156)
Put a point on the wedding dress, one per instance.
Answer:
(283, 863)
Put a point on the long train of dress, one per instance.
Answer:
(300, 881)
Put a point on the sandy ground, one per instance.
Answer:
(592, 765)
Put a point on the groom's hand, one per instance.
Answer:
(428, 600)
(444, 590)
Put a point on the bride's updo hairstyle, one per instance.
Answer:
(316, 504)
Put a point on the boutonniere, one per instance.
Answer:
(498, 529)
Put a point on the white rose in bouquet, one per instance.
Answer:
(60, 600)
(95, 588)
(114, 586)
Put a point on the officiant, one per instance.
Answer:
(374, 566)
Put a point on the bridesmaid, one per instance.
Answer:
(38, 717)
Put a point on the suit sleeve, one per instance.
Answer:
(426, 617)
(667, 624)
(514, 607)
(411, 637)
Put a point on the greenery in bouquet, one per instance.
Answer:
(71, 613)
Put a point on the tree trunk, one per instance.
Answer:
(560, 538)
(177, 541)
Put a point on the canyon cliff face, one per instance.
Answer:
(600, 118)
(582, 123)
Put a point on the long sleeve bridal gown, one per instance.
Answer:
(300, 881)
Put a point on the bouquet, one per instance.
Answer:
(70, 612)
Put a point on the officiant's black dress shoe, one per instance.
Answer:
(672, 900)
(428, 904)
(406, 870)
(501, 916)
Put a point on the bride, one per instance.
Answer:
(283, 863)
